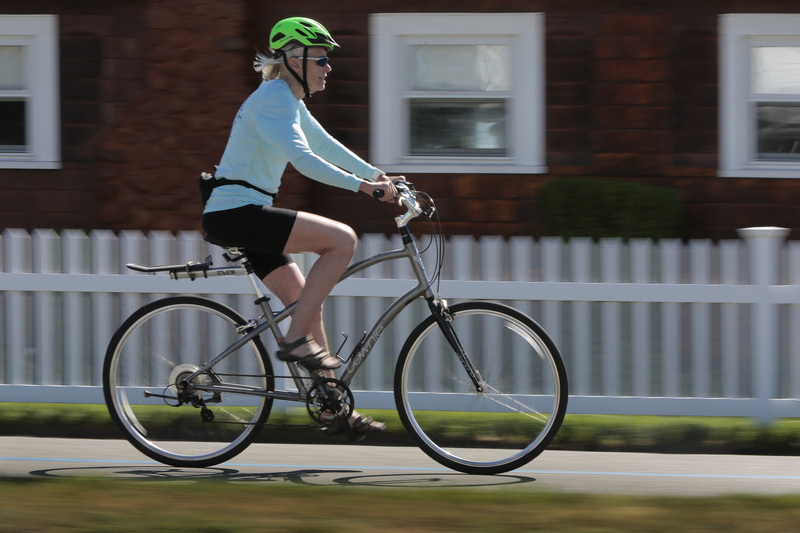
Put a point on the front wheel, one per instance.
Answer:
(168, 416)
(523, 389)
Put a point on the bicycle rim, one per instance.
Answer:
(512, 420)
(158, 347)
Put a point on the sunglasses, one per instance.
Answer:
(321, 61)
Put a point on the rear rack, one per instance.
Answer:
(190, 270)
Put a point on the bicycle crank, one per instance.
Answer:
(329, 401)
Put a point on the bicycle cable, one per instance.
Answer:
(437, 236)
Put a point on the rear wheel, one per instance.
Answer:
(163, 411)
(514, 417)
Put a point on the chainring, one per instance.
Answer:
(329, 401)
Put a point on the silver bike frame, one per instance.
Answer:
(359, 354)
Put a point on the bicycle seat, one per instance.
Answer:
(217, 242)
(234, 253)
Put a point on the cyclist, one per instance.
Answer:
(273, 127)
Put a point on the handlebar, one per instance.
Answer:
(406, 197)
(400, 185)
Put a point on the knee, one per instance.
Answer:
(347, 239)
(352, 239)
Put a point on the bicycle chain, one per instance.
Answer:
(262, 424)
(207, 414)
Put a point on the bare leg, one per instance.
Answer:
(288, 284)
(335, 243)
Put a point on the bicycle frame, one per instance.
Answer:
(509, 418)
(363, 348)
(422, 289)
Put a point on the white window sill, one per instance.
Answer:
(462, 168)
(760, 172)
(45, 165)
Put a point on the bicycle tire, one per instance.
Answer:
(508, 424)
(152, 350)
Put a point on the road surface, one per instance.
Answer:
(384, 466)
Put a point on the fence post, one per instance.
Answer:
(16, 259)
(48, 354)
(764, 244)
(76, 251)
(104, 246)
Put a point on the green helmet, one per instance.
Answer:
(305, 31)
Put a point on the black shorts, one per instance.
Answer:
(261, 231)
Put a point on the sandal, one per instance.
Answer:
(316, 360)
(356, 428)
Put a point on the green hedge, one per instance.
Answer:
(663, 434)
(582, 207)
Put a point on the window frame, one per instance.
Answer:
(39, 35)
(739, 34)
(390, 67)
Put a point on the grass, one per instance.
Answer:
(83, 505)
(578, 432)
(679, 434)
(221, 506)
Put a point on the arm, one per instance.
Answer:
(278, 125)
(335, 152)
(327, 147)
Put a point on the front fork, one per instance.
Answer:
(441, 312)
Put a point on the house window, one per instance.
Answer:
(29, 122)
(457, 92)
(760, 96)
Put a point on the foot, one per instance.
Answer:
(356, 428)
(311, 356)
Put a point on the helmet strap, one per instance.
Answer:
(304, 80)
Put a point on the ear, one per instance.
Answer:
(296, 63)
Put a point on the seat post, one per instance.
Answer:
(234, 253)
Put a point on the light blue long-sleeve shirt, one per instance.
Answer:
(273, 128)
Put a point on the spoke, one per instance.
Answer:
(236, 418)
(530, 413)
(522, 409)
(163, 358)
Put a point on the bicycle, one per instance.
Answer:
(479, 385)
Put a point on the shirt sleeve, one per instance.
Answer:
(332, 150)
(279, 123)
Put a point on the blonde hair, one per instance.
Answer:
(267, 65)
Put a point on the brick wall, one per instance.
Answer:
(149, 89)
(101, 45)
(631, 94)
(176, 126)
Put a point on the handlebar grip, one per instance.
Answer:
(378, 193)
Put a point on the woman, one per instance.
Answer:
(273, 127)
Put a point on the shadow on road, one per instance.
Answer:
(315, 477)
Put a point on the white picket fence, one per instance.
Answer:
(667, 328)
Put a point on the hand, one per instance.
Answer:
(384, 177)
(382, 188)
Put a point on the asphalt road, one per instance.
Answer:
(392, 467)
